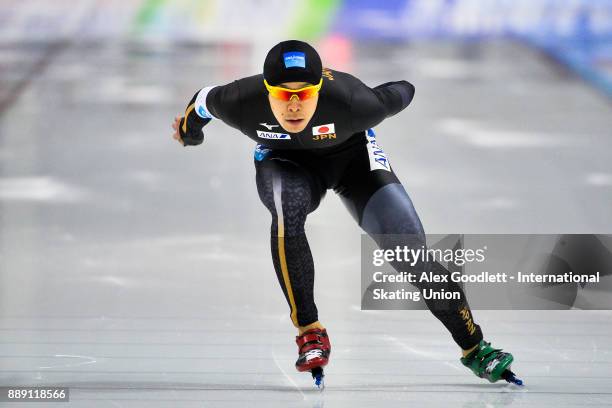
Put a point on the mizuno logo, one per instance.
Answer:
(269, 127)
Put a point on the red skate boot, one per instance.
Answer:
(314, 349)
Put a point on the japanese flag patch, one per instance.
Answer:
(323, 129)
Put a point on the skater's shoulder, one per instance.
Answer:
(338, 85)
(240, 91)
(336, 75)
(341, 85)
(252, 81)
(250, 87)
(341, 78)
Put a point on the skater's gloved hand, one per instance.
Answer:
(189, 133)
(175, 127)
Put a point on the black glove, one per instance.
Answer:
(192, 133)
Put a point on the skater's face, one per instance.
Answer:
(293, 115)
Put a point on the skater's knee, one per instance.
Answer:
(289, 215)
(289, 208)
(390, 211)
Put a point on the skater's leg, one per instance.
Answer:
(290, 194)
(378, 202)
(389, 212)
(390, 218)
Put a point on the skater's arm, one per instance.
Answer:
(188, 129)
(395, 96)
(213, 102)
(370, 106)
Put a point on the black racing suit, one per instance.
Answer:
(337, 150)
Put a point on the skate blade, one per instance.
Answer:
(319, 378)
(510, 377)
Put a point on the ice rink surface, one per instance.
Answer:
(137, 272)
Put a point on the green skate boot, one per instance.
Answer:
(490, 363)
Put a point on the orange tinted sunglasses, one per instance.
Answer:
(285, 94)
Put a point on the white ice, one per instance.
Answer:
(152, 286)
